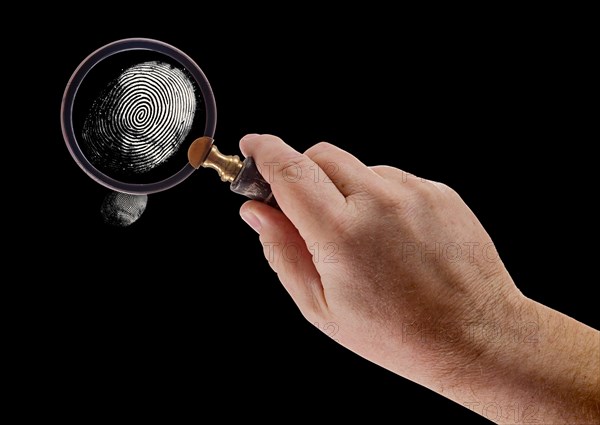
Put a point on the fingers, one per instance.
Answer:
(310, 203)
(287, 255)
(344, 170)
(390, 173)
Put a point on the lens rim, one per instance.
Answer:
(66, 112)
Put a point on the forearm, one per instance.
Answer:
(539, 367)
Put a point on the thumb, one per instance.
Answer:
(288, 256)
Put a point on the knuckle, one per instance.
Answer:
(431, 192)
(318, 150)
(415, 195)
(427, 197)
(296, 167)
(444, 188)
(319, 147)
(294, 161)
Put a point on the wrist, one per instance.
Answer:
(455, 350)
(498, 331)
(525, 363)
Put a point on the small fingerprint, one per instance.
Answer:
(140, 119)
(122, 209)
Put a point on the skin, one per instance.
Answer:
(413, 283)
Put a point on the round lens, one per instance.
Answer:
(130, 112)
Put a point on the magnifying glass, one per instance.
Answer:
(138, 116)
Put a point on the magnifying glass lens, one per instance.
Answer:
(134, 115)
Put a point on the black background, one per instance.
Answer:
(127, 321)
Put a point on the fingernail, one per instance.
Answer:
(252, 221)
(250, 136)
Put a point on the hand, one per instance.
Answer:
(400, 257)
(405, 270)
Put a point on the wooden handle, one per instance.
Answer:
(250, 183)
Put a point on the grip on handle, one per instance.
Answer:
(250, 183)
(244, 176)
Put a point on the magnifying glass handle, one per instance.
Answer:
(244, 176)
(250, 183)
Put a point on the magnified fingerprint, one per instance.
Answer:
(140, 119)
(122, 209)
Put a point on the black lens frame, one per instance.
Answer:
(66, 112)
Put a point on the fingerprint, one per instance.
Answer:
(122, 209)
(140, 119)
